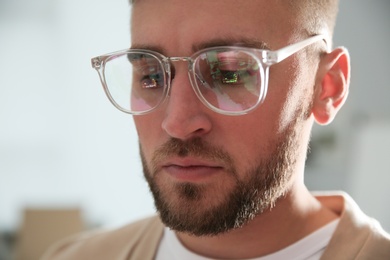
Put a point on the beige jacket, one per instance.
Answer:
(356, 237)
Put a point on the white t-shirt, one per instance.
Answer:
(310, 247)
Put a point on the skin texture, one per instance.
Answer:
(304, 88)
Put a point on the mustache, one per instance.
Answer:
(195, 147)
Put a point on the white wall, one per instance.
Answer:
(63, 144)
(371, 175)
(61, 141)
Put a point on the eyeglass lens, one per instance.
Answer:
(229, 80)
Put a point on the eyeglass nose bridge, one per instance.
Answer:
(190, 64)
(185, 59)
(188, 59)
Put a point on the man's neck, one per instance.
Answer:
(295, 216)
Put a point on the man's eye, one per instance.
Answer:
(230, 77)
(151, 81)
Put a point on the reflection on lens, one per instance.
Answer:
(231, 79)
(135, 81)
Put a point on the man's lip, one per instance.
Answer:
(191, 169)
(190, 162)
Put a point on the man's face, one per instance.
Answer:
(208, 172)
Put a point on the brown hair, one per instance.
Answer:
(317, 16)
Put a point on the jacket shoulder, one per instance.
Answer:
(377, 244)
(357, 235)
(119, 243)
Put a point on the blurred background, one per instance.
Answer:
(64, 147)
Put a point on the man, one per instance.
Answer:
(224, 95)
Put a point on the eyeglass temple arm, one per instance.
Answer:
(285, 52)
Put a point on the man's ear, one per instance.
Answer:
(332, 85)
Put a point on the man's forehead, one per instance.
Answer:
(233, 8)
(159, 25)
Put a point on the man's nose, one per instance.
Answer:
(185, 115)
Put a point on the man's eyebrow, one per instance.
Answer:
(242, 42)
(148, 47)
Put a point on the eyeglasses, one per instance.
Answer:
(229, 80)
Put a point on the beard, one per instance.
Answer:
(186, 207)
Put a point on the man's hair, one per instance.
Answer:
(317, 16)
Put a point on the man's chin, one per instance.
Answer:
(197, 211)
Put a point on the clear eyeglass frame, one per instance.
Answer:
(265, 58)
